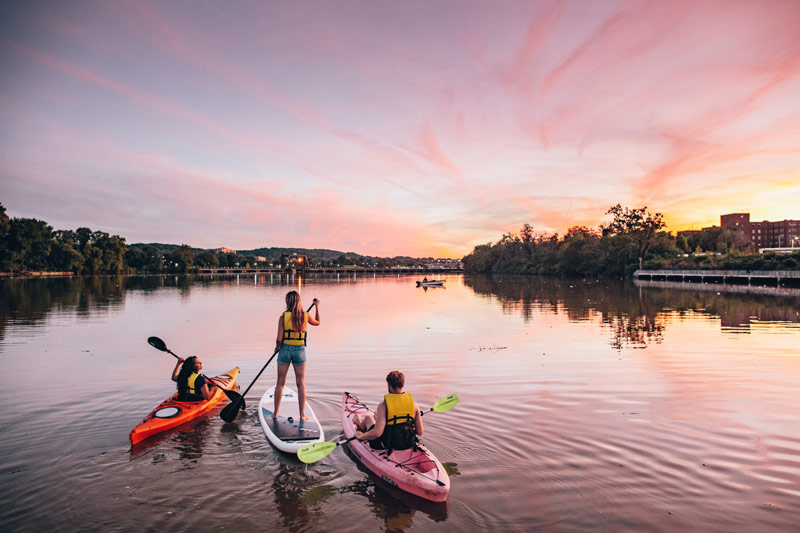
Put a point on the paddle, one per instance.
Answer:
(158, 344)
(312, 453)
(232, 409)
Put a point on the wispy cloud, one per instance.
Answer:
(380, 130)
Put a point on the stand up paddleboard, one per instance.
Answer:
(287, 432)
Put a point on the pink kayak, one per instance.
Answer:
(418, 472)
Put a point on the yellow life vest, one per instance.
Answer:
(291, 337)
(190, 384)
(399, 408)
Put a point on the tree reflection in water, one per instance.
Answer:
(636, 315)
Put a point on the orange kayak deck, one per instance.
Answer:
(171, 413)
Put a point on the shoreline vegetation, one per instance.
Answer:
(633, 240)
(30, 247)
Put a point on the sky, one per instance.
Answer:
(419, 128)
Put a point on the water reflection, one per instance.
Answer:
(396, 507)
(298, 505)
(636, 314)
(187, 439)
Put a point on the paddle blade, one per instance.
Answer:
(157, 343)
(445, 403)
(233, 395)
(232, 409)
(312, 453)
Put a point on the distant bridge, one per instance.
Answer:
(327, 270)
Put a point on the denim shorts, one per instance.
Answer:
(292, 354)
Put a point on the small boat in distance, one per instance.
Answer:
(430, 283)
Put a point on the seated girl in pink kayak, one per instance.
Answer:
(399, 421)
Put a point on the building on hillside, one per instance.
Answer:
(223, 250)
(294, 262)
(444, 264)
(764, 234)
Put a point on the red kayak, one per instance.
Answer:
(417, 471)
(171, 413)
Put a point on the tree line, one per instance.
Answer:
(634, 239)
(31, 245)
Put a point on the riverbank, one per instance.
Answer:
(34, 274)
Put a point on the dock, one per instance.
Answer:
(748, 277)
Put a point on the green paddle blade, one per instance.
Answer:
(312, 453)
(446, 403)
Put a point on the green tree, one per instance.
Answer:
(181, 260)
(207, 258)
(27, 245)
(63, 255)
(637, 225)
(683, 244)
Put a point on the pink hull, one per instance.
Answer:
(416, 472)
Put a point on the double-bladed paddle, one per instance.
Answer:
(232, 409)
(312, 453)
(158, 344)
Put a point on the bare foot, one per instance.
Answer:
(303, 417)
(274, 416)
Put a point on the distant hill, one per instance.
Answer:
(274, 254)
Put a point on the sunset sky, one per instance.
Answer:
(395, 128)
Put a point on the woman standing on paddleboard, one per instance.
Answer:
(291, 342)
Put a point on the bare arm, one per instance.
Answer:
(177, 369)
(205, 390)
(418, 419)
(314, 321)
(279, 339)
(380, 425)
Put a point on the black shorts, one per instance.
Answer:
(375, 444)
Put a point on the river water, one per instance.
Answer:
(583, 405)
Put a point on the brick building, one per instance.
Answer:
(764, 234)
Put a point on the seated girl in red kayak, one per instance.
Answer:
(192, 385)
(398, 423)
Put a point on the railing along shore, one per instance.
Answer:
(721, 276)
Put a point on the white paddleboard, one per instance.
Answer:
(288, 433)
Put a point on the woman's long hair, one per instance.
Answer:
(294, 306)
(187, 369)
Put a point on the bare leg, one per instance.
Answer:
(363, 424)
(300, 380)
(283, 369)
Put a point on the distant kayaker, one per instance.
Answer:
(398, 422)
(291, 342)
(192, 385)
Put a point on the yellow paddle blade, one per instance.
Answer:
(312, 453)
(445, 403)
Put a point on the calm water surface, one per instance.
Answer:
(584, 405)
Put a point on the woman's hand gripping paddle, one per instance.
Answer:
(319, 450)
(232, 409)
(158, 344)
